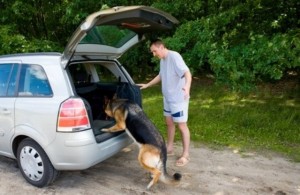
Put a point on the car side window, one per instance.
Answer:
(105, 74)
(34, 81)
(5, 72)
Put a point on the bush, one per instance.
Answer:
(236, 55)
(17, 43)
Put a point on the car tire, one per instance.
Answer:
(34, 164)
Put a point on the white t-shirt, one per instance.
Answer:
(172, 69)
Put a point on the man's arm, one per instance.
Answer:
(154, 81)
(188, 82)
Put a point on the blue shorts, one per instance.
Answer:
(178, 111)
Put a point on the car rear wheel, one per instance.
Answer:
(34, 164)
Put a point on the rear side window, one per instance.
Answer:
(8, 74)
(105, 74)
(34, 81)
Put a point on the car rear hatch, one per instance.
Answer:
(107, 34)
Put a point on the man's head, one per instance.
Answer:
(158, 49)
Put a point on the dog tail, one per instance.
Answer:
(168, 179)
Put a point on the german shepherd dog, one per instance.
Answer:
(152, 148)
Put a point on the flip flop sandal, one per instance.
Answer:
(182, 161)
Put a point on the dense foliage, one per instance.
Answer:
(239, 42)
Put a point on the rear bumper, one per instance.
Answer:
(78, 151)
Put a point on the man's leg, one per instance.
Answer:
(171, 134)
(185, 134)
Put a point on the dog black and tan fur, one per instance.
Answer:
(153, 153)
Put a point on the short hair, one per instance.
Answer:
(157, 42)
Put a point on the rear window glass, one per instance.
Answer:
(108, 35)
(33, 81)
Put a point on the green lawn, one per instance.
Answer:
(265, 120)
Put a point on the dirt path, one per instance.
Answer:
(209, 172)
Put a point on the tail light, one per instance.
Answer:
(73, 116)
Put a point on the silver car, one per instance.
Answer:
(51, 104)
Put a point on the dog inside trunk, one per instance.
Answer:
(96, 83)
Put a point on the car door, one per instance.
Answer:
(107, 34)
(8, 75)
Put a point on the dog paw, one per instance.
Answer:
(105, 130)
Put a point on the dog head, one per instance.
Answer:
(110, 105)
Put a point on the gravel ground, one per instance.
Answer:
(216, 172)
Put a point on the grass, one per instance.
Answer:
(267, 119)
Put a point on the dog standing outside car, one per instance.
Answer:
(152, 148)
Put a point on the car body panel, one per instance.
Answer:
(7, 125)
(81, 150)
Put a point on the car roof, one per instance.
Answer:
(33, 58)
(20, 55)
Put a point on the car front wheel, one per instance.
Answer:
(34, 164)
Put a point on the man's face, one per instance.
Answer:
(157, 51)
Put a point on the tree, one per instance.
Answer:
(240, 42)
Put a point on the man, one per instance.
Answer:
(176, 81)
